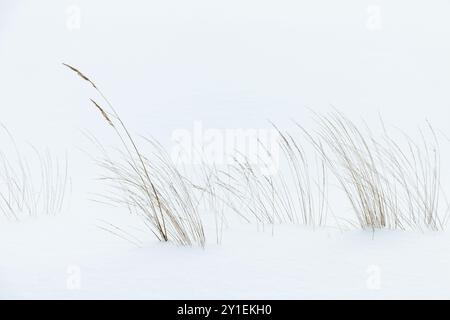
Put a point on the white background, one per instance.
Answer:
(229, 64)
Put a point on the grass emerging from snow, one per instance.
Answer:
(149, 185)
(390, 183)
(31, 188)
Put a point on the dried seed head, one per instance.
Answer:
(103, 112)
(79, 74)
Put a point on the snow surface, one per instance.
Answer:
(39, 258)
(229, 64)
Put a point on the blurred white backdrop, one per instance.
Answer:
(167, 65)
(229, 64)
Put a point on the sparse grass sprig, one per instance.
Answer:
(31, 188)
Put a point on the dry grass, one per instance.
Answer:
(390, 183)
(150, 186)
(31, 188)
(296, 193)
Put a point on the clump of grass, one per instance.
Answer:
(390, 183)
(31, 188)
(150, 186)
(295, 193)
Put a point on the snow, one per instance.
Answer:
(230, 64)
(40, 260)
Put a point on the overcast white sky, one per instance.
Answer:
(170, 62)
